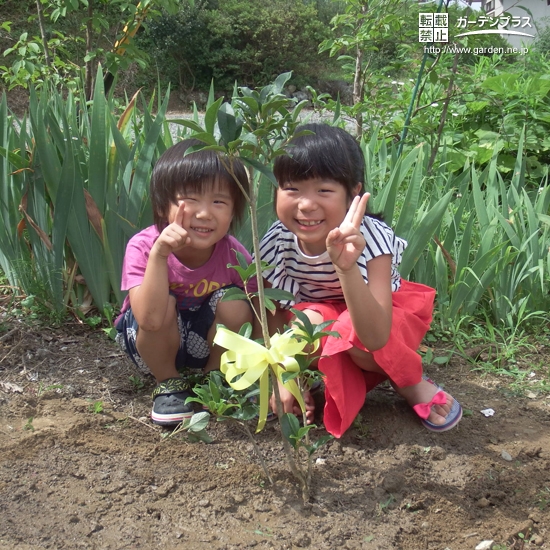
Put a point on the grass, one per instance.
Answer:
(96, 407)
(518, 355)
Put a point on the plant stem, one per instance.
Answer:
(443, 117)
(258, 263)
(298, 474)
(247, 431)
(42, 26)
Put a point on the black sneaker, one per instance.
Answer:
(169, 408)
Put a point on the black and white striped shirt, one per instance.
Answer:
(313, 278)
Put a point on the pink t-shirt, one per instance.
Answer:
(190, 286)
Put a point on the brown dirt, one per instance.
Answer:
(72, 478)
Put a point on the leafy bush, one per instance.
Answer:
(238, 40)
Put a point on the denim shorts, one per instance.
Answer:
(193, 325)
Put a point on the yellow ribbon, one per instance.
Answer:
(252, 360)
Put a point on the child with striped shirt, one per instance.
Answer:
(341, 264)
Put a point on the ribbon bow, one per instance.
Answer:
(423, 409)
(252, 360)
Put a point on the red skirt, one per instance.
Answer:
(346, 385)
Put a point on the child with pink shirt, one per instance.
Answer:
(176, 274)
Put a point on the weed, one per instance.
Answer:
(525, 537)
(195, 428)
(262, 531)
(43, 389)
(384, 506)
(543, 499)
(137, 383)
(28, 426)
(96, 407)
(361, 427)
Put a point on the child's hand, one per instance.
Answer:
(346, 243)
(290, 405)
(174, 237)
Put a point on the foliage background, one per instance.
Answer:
(468, 186)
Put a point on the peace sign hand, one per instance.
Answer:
(346, 243)
(174, 237)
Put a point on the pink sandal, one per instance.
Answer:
(423, 410)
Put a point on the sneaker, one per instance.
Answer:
(169, 408)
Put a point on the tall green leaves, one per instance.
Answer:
(79, 179)
(480, 241)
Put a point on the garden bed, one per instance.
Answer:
(81, 466)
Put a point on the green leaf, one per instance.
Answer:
(199, 421)
(211, 115)
(246, 330)
(278, 295)
(290, 426)
(241, 258)
(186, 123)
(230, 127)
(280, 82)
(423, 234)
(323, 440)
(262, 168)
(233, 293)
(304, 319)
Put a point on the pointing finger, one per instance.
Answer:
(359, 212)
(351, 212)
(179, 214)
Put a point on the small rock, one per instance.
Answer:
(302, 540)
(506, 456)
(438, 453)
(203, 503)
(485, 545)
(95, 527)
(482, 503)
(238, 498)
(537, 540)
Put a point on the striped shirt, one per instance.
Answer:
(313, 278)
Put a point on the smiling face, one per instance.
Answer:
(311, 208)
(207, 218)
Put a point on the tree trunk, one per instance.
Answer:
(358, 90)
(88, 75)
(40, 14)
(359, 81)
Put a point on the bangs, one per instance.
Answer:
(201, 171)
(324, 152)
(305, 163)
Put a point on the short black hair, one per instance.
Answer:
(175, 173)
(328, 152)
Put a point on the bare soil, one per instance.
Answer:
(74, 478)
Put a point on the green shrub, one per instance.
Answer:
(238, 40)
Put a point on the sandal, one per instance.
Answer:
(423, 410)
